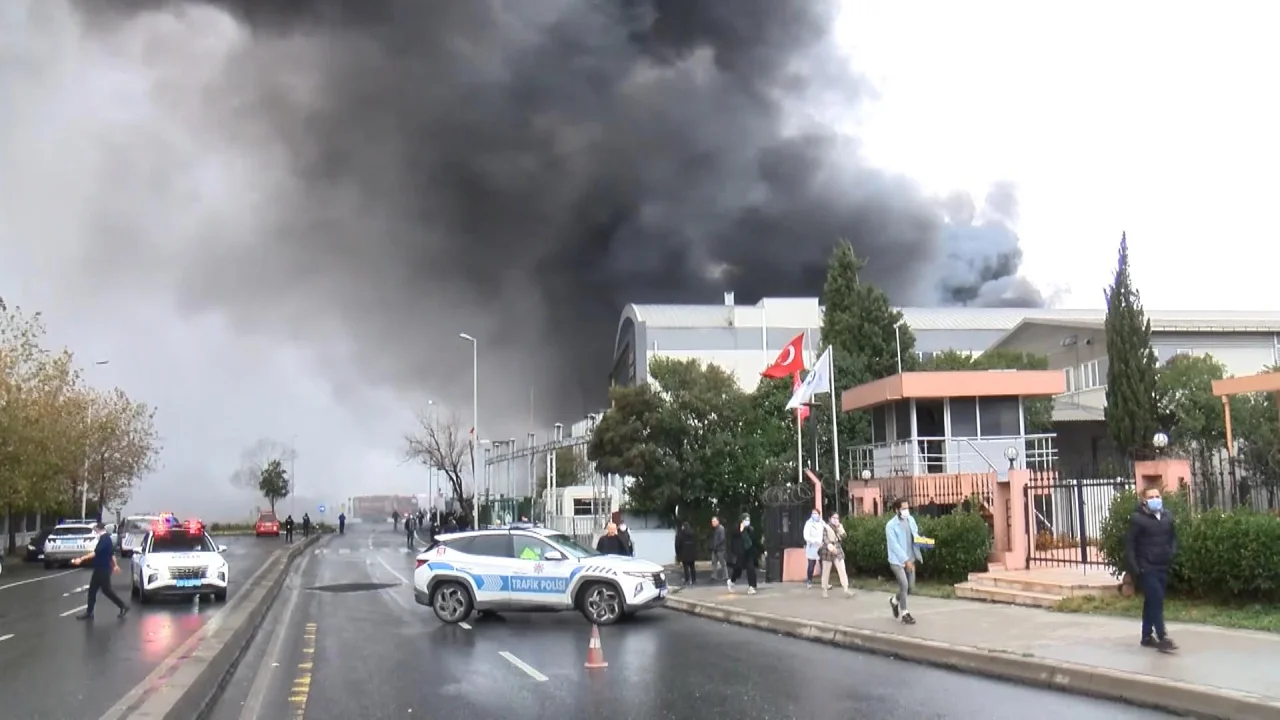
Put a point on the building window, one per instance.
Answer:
(999, 417)
(1090, 375)
(1070, 374)
(964, 417)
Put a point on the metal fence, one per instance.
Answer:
(1067, 513)
(1220, 481)
(942, 493)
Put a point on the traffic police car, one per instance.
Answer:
(178, 560)
(532, 569)
(68, 541)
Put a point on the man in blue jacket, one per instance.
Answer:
(104, 565)
(1149, 549)
(900, 537)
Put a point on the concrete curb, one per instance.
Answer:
(198, 699)
(187, 684)
(1196, 700)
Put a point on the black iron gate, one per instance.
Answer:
(1066, 517)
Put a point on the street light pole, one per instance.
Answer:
(84, 481)
(475, 402)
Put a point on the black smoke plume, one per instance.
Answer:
(370, 178)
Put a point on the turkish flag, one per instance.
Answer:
(802, 412)
(790, 361)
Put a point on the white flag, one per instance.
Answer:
(818, 381)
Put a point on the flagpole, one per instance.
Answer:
(799, 450)
(835, 434)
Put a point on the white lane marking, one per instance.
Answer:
(258, 692)
(392, 570)
(526, 667)
(344, 551)
(42, 577)
(77, 591)
(5, 637)
(464, 626)
(74, 610)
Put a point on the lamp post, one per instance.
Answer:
(84, 481)
(1011, 454)
(475, 401)
(1160, 441)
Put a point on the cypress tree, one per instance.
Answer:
(1131, 411)
(858, 323)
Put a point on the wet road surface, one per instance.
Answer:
(53, 666)
(346, 640)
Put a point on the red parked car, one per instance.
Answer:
(267, 525)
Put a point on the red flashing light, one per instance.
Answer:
(194, 527)
(160, 528)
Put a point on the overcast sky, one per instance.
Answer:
(1134, 116)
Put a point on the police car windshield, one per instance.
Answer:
(181, 541)
(568, 545)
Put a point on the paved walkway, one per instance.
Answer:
(1237, 661)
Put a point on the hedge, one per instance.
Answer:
(962, 545)
(1221, 555)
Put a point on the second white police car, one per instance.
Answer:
(532, 569)
(179, 560)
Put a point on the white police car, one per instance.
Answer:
(532, 569)
(178, 560)
(68, 541)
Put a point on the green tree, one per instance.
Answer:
(571, 469)
(274, 483)
(859, 324)
(1131, 411)
(1038, 412)
(1188, 410)
(689, 439)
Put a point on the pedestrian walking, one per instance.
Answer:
(342, 523)
(104, 566)
(288, 529)
(687, 553)
(743, 553)
(900, 536)
(813, 534)
(718, 546)
(306, 526)
(395, 519)
(1149, 549)
(610, 543)
(832, 555)
(408, 531)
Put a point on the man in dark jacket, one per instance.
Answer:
(687, 553)
(1149, 548)
(611, 543)
(719, 545)
(742, 555)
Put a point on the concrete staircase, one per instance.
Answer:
(1038, 587)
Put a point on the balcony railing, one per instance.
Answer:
(940, 456)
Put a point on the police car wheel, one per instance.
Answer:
(220, 596)
(48, 565)
(601, 604)
(451, 602)
(143, 597)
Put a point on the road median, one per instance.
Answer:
(187, 683)
(1106, 683)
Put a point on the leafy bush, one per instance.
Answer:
(963, 543)
(1220, 555)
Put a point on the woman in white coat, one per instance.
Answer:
(814, 532)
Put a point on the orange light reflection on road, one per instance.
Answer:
(162, 632)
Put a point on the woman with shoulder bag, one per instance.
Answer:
(832, 553)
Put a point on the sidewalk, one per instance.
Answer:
(1218, 673)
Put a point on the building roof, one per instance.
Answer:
(953, 383)
(1162, 321)
(677, 316)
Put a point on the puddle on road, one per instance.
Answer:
(352, 587)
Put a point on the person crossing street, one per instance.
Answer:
(104, 565)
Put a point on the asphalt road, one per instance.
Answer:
(346, 640)
(53, 666)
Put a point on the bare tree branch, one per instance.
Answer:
(255, 458)
(438, 443)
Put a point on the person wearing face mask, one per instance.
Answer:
(900, 536)
(743, 549)
(813, 534)
(832, 554)
(1149, 549)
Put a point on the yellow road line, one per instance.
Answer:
(301, 689)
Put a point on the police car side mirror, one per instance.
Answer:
(553, 555)
(222, 548)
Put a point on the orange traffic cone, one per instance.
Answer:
(595, 653)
